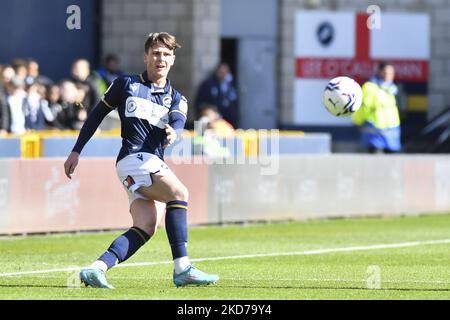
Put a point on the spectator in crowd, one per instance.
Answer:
(212, 119)
(15, 98)
(6, 75)
(73, 114)
(36, 109)
(33, 75)
(20, 68)
(4, 115)
(81, 76)
(54, 104)
(108, 72)
(211, 129)
(378, 118)
(81, 93)
(3, 106)
(218, 89)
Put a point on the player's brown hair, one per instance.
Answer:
(164, 38)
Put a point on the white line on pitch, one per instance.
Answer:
(136, 278)
(248, 256)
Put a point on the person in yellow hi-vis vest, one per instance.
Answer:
(378, 118)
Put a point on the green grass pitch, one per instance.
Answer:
(328, 259)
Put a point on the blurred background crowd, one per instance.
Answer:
(30, 100)
(278, 60)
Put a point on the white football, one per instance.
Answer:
(342, 96)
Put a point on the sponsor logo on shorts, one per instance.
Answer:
(128, 182)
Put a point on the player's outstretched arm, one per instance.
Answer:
(87, 131)
(71, 163)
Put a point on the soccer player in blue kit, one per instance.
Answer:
(152, 115)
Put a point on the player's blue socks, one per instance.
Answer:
(177, 228)
(124, 246)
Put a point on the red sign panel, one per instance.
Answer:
(362, 66)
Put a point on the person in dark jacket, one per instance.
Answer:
(81, 76)
(219, 90)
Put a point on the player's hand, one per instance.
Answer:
(171, 135)
(71, 163)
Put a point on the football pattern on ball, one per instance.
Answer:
(342, 96)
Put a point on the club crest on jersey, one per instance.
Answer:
(131, 105)
(167, 101)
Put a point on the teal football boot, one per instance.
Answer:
(193, 276)
(95, 278)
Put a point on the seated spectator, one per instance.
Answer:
(3, 115)
(3, 112)
(211, 129)
(4, 119)
(20, 68)
(81, 76)
(109, 72)
(73, 114)
(81, 93)
(15, 97)
(210, 116)
(34, 76)
(6, 75)
(36, 110)
(218, 89)
(54, 103)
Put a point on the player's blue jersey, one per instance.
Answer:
(144, 110)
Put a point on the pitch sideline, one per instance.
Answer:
(248, 256)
